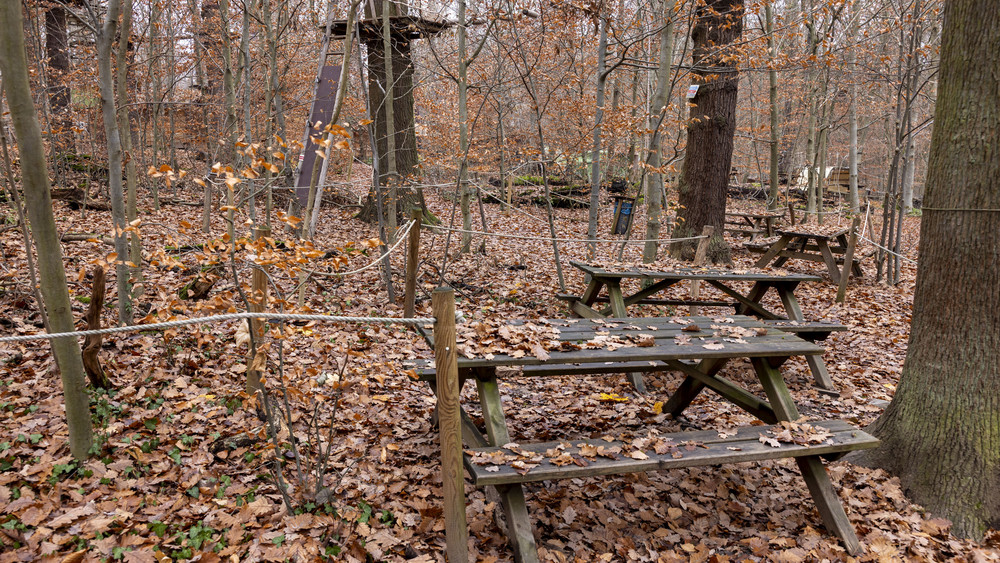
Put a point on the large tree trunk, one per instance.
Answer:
(403, 129)
(57, 71)
(705, 173)
(941, 433)
(34, 174)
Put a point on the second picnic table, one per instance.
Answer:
(748, 303)
(752, 224)
(830, 247)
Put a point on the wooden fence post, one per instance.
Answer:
(791, 214)
(845, 274)
(449, 425)
(258, 303)
(413, 251)
(699, 260)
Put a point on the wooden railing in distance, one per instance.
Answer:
(450, 425)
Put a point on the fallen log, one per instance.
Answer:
(77, 198)
(86, 237)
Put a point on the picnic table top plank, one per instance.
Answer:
(755, 215)
(805, 233)
(708, 449)
(772, 345)
(775, 343)
(752, 274)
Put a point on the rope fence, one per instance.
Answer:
(400, 237)
(219, 318)
(549, 239)
(877, 245)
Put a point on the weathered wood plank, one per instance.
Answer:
(663, 302)
(450, 425)
(690, 274)
(744, 446)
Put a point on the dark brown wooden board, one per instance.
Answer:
(692, 274)
(712, 450)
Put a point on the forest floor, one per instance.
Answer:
(181, 471)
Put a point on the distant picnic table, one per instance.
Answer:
(697, 347)
(830, 246)
(749, 303)
(752, 224)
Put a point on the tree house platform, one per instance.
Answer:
(404, 27)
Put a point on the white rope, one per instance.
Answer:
(910, 260)
(219, 318)
(549, 239)
(400, 238)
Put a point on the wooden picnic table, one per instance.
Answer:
(752, 224)
(697, 347)
(748, 303)
(829, 247)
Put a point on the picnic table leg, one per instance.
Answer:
(519, 529)
(690, 387)
(813, 471)
(619, 310)
(831, 261)
(755, 295)
(824, 383)
(583, 307)
(777, 247)
(748, 305)
(592, 291)
(844, 242)
(796, 244)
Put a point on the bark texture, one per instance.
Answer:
(712, 123)
(56, 72)
(941, 433)
(35, 179)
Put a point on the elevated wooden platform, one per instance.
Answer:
(406, 27)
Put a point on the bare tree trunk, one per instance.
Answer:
(125, 132)
(772, 96)
(34, 174)
(852, 110)
(595, 158)
(57, 71)
(105, 40)
(155, 13)
(657, 107)
(463, 129)
(941, 433)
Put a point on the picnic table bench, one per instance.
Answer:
(753, 225)
(749, 303)
(829, 247)
(491, 458)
